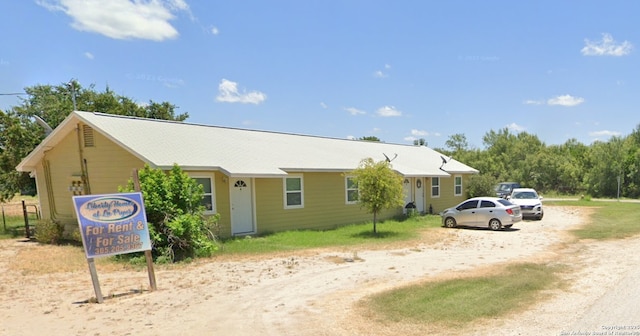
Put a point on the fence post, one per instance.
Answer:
(26, 221)
(4, 221)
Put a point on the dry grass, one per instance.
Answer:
(40, 259)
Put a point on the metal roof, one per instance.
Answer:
(242, 152)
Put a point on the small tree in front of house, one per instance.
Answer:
(379, 187)
(177, 226)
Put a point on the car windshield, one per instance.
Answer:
(504, 187)
(524, 195)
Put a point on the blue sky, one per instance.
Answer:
(397, 70)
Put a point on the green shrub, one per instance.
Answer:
(481, 185)
(49, 232)
(177, 225)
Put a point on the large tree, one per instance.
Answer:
(18, 136)
(379, 187)
(21, 127)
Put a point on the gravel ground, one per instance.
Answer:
(316, 292)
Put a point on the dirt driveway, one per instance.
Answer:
(315, 292)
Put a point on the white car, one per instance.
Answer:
(529, 201)
(492, 212)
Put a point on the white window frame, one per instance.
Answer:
(456, 185)
(435, 187)
(347, 189)
(212, 194)
(286, 192)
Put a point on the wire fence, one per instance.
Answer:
(14, 209)
(17, 215)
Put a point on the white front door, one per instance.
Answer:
(241, 206)
(420, 195)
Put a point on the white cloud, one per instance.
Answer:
(565, 100)
(88, 55)
(228, 93)
(606, 47)
(351, 137)
(388, 111)
(419, 132)
(515, 127)
(354, 111)
(121, 19)
(323, 105)
(410, 138)
(379, 74)
(214, 30)
(533, 102)
(382, 73)
(604, 133)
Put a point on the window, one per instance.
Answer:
(472, 204)
(487, 204)
(457, 188)
(435, 187)
(293, 192)
(207, 198)
(352, 190)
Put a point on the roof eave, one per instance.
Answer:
(28, 163)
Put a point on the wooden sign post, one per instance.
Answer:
(113, 224)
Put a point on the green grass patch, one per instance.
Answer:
(458, 302)
(389, 231)
(609, 220)
(13, 226)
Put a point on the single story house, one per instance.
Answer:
(258, 181)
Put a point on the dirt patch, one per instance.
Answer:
(298, 293)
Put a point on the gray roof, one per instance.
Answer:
(241, 152)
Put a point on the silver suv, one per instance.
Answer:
(530, 202)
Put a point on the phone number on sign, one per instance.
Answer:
(117, 248)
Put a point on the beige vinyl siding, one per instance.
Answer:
(62, 166)
(43, 196)
(108, 165)
(447, 197)
(324, 205)
(223, 203)
(220, 197)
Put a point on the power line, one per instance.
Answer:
(14, 94)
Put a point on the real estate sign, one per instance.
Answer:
(112, 224)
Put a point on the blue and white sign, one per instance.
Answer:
(112, 224)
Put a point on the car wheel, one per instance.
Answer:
(540, 216)
(450, 222)
(495, 224)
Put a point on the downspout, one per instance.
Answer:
(49, 188)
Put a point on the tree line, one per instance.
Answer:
(24, 126)
(597, 169)
(600, 169)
